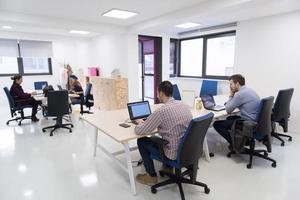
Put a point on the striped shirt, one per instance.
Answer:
(171, 120)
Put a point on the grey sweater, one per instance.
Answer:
(247, 101)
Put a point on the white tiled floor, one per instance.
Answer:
(36, 166)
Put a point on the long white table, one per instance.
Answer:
(107, 122)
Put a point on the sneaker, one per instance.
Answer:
(146, 179)
(34, 119)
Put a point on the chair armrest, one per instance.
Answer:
(160, 143)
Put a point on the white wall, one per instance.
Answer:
(65, 50)
(109, 52)
(268, 54)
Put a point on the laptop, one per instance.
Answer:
(209, 103)
(39, 86)
(139, 110)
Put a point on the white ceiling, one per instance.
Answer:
(60, 16)
(91, 10)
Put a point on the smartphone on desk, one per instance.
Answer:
(124, 125)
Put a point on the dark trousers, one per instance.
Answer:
(31, 101)
(147, 147)
(223, 127)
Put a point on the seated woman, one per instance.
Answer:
(23, 98)
(75, 88)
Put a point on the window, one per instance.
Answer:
(9, 65)
(36, 57)
(173, 57)
(191, 57)
(208, 56)
(149, 63)
(25, 57)
(8, 57)
(220, 56)
(35, 65)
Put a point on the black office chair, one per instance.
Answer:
(262, 133)
(16, 108)
(281, 113)
(86, 100)
(189, 152)
(58, 106)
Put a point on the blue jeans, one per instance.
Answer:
(147, 147)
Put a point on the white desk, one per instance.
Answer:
(108, 122)
(43, 99)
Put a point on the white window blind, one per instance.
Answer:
(8, 56)
(8, 48)
(42, 49)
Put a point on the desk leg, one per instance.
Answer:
(206, 150)
(129, 167)
(95, 141)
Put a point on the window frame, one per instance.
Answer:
(176, 56)
(204, 56)
(21, 68)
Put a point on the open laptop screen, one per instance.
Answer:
(139, 110)
(208, 101)
(40, 85)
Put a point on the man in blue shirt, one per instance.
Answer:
(241, 97)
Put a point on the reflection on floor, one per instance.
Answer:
(36, 166)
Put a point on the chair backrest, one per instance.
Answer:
(39, 85)
(88, 89)
(191, 144)
(10, 99)
(264, 118)
(58, 103)
(209, 87)
(281, 108)
(176, 93)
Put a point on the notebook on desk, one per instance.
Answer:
(209, 103)
(139, 110)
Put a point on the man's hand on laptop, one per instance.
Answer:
(139, 121)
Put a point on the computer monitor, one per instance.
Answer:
(39, 85)
(139, 110)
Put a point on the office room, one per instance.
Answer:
(128, 99)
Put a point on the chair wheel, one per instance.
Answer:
(229, 155)
(282, 144)
(211, 154)
(249, 166)
(153, 190)
(206, 190)
(43, 130)
(274, 165)
(266, 154)
(70, 131)
(72, 126)
(51, 134)
(7, 123)
(290, 139)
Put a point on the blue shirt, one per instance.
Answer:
(247, 101)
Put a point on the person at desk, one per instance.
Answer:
(75, 88)
(241, 97)
(18, 94)
(171, 120)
